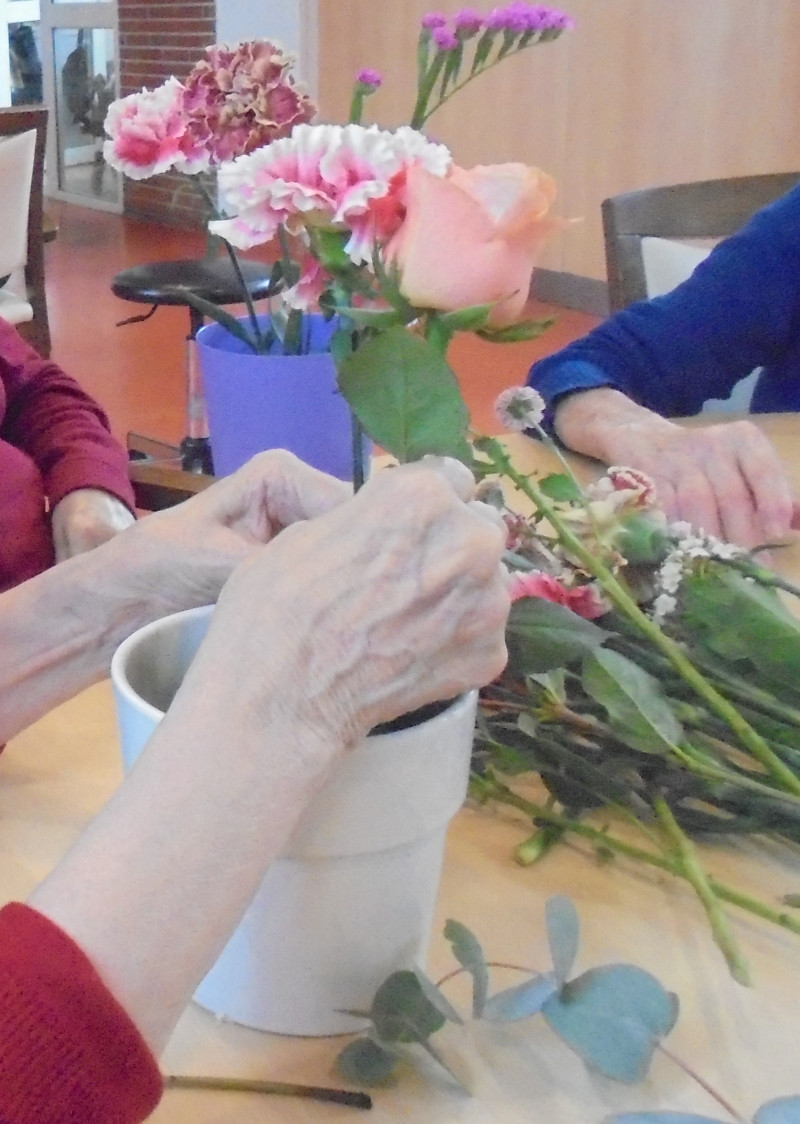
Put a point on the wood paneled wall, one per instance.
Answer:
(642, 92)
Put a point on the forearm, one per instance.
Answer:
(590, 422)
(150, 865)
(59, 630)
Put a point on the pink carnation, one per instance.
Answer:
(585, 600)
(147, 134)
(343, 177)
(240, 98)
(624, 479)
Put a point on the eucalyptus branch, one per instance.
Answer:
(623, 601)
(691, 1072)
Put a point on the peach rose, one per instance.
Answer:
(472, 237)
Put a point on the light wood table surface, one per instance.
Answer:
(58, 773)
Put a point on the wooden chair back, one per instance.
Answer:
(707, 209)
(20, 120)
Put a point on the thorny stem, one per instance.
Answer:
(623, 600)
(684, 852)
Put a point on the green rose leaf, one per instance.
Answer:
(364, 1062)
(634, 701)
(542, 636)
(563, 935)
(739, 619)
(406, 397)
(469, 953)
(786, 1110)
(613, 1017)
(520, 1002)
(561, 488)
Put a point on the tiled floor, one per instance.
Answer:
(137, 371)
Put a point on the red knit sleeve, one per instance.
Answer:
(61, 428)
(69, 1054)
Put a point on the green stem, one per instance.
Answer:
(421, 112)
(693, 872)
(623, 600)
(486, 788)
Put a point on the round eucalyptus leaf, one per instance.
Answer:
(786, 1110)
(435, 996)
(520, 1002)
(364, 1062)
(469, 953)
(401, 1012)
(613, 1017)
(563, 935)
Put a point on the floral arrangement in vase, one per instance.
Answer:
(378, 228)
(398, 242)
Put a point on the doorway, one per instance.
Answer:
(79, 68)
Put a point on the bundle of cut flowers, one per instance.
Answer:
(653, 671)
(378, 228)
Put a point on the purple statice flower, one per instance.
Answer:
(444, 38)
(519, 19)
(467, 22)
(433, 20)
(370, 78)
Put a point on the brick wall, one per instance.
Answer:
(158, 38)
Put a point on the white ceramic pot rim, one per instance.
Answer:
(119, 661)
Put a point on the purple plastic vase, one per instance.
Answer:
(275, 401)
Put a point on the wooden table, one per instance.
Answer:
(744, 1041)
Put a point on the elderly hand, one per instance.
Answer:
(388, 602)
(84, 519)
(181, 557)
(724, 478)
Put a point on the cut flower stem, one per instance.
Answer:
(622, 599)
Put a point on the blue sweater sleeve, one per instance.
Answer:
(740, 309)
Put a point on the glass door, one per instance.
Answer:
(20, 53)
(79, 65)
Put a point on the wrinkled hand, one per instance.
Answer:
(388, 602)
(181, 557)
(726, 479)
(84, 519)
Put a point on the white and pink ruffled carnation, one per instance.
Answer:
(147, 134)
(347, 177)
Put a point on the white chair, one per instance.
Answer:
(645, 240)
(16, 173)
(23, 299)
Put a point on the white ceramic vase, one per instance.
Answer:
(351, 898)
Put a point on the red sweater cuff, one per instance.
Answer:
(69, 1054)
